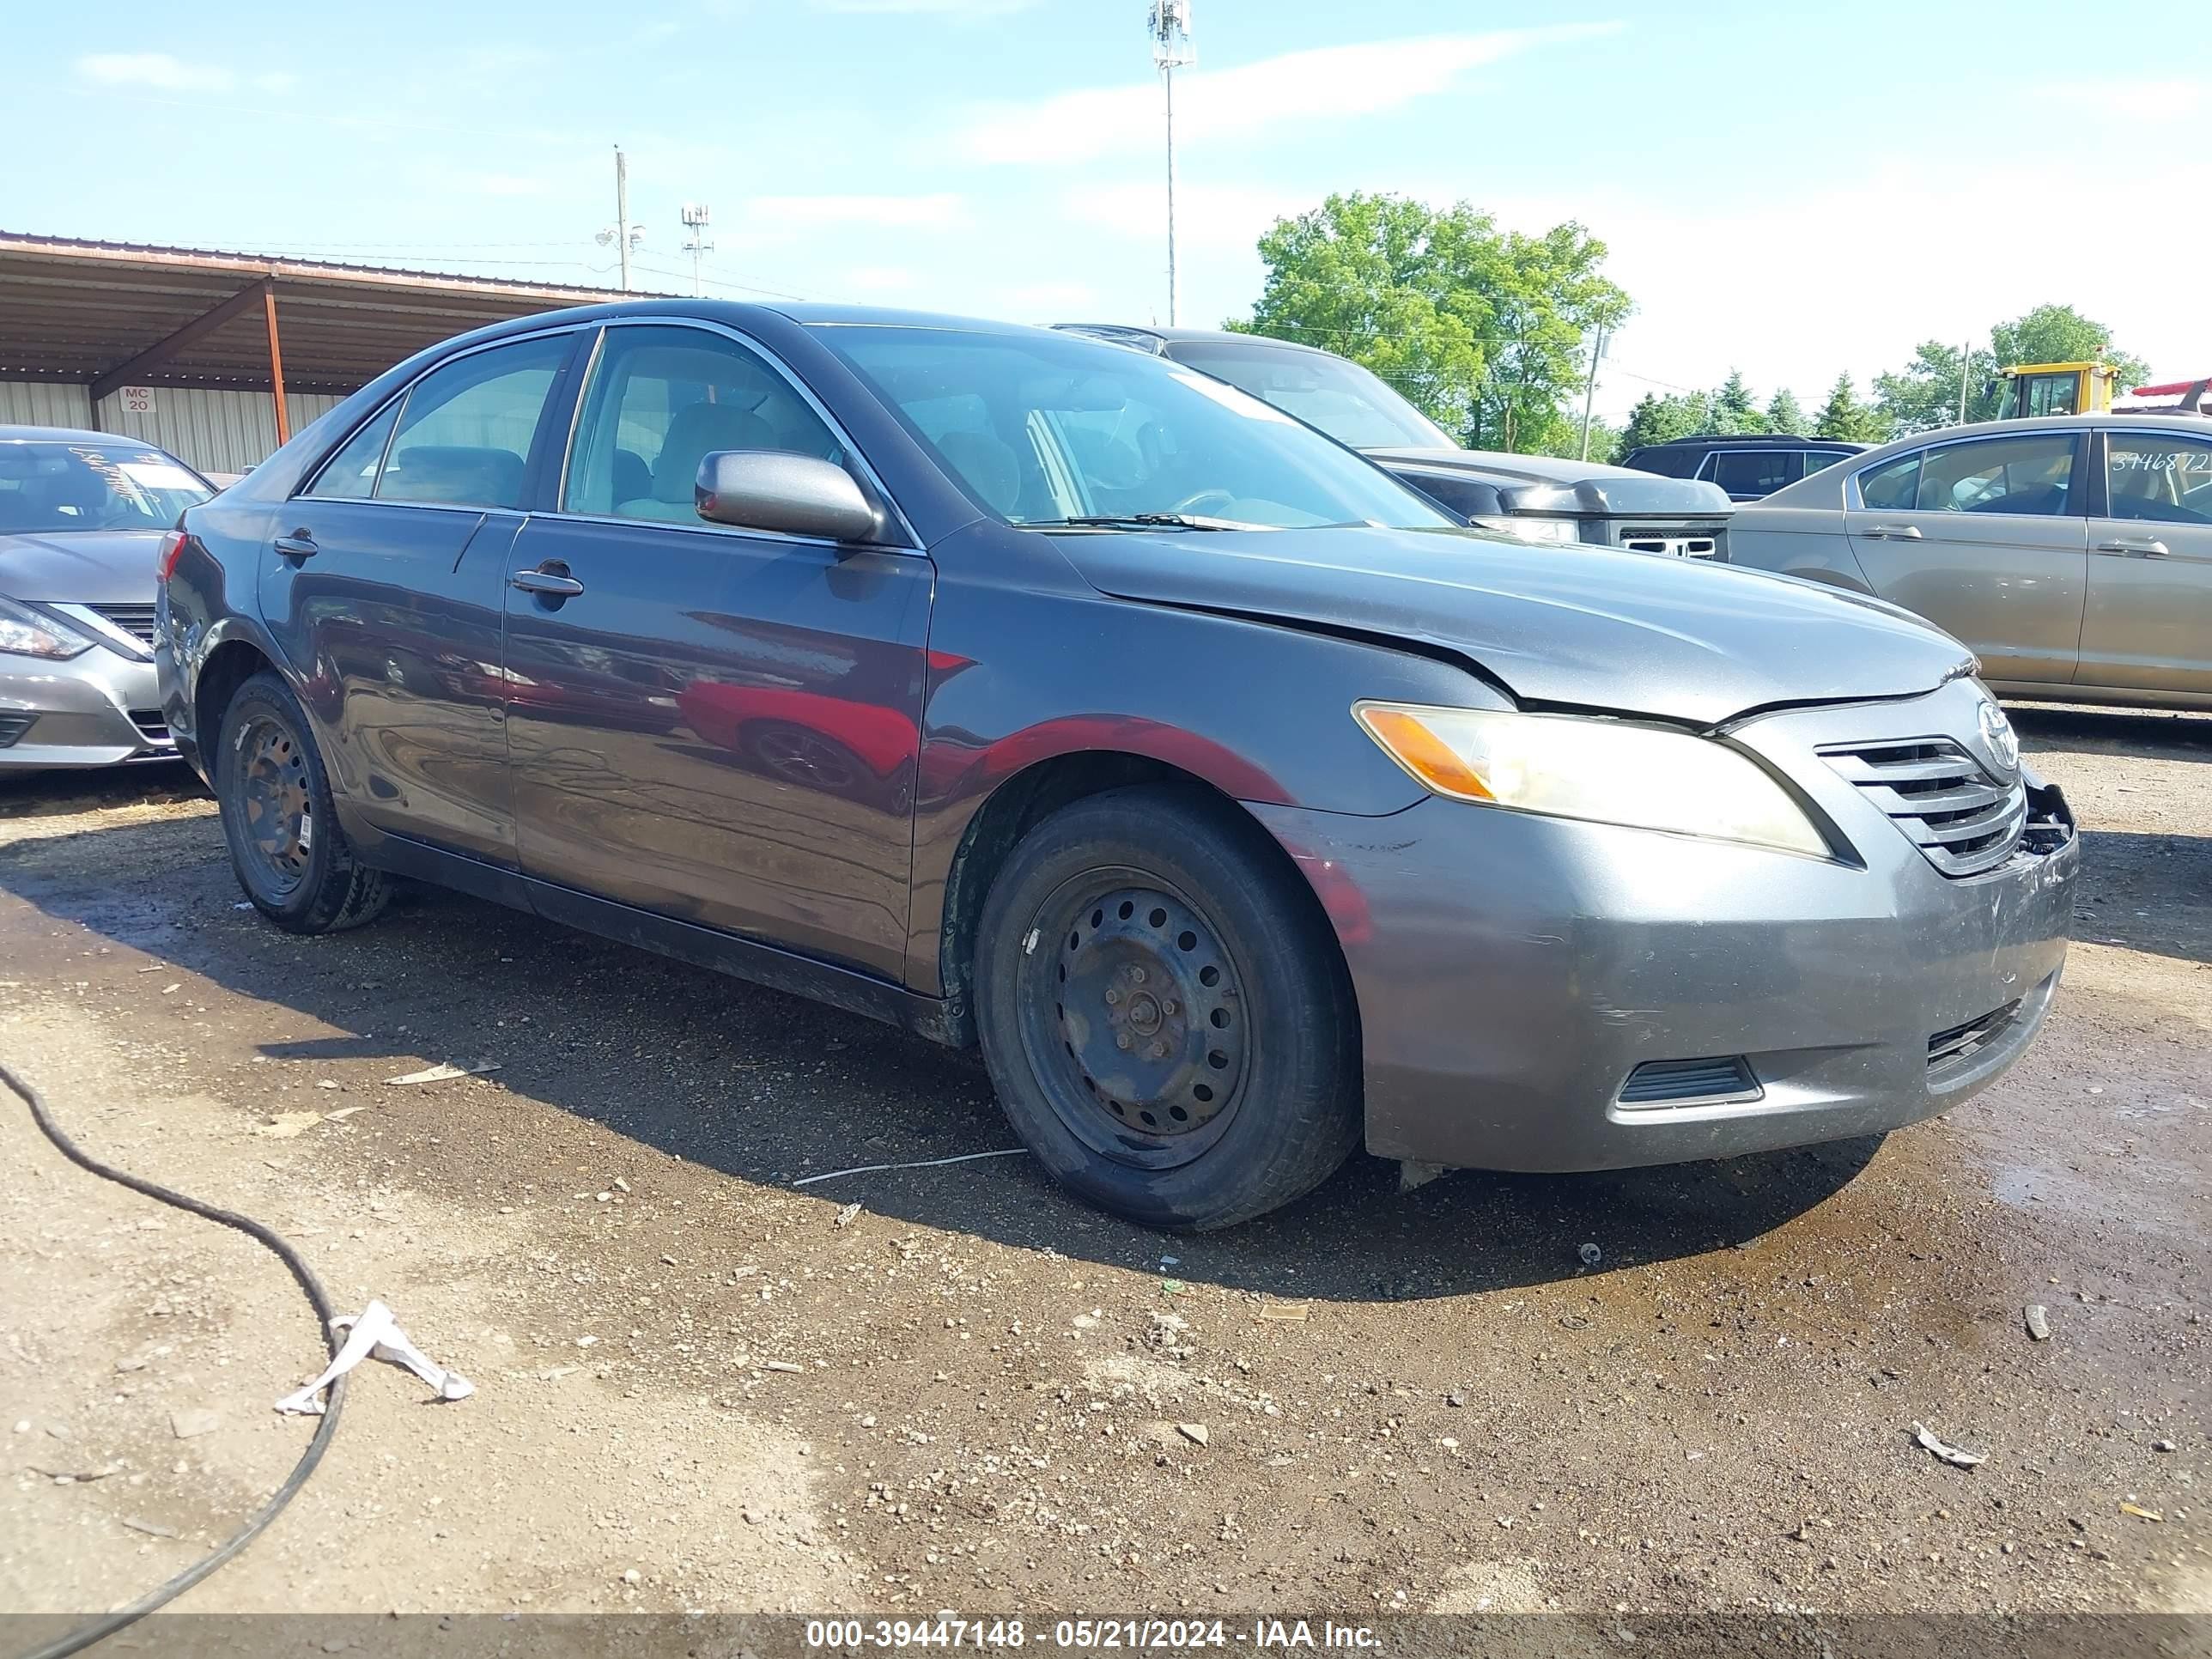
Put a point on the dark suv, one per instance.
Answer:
(1036, 694)
(1747, 465)
(1533, 497)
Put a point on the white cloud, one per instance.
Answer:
(786, 215)
(877, 282)
(1293, 89)
(153, 68)
(165, 73)
(1207, 216)
(961, 10)
(2132, 101)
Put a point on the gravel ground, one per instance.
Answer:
(701, 1386)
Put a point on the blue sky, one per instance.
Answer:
(1792, 189)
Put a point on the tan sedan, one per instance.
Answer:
(2072, 553)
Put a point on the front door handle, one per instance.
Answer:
(300, 544)
(1891, 532)
(550, 583)
(2135, 547)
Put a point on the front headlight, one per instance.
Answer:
(28, 633)
(1532, 529)
(1603, 771)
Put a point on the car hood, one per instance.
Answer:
(1541, 484)
(1559, 625)
(81, 567)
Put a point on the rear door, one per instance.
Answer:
(2149, 621)
(385, 586)
(716, 725)
(1988, 538)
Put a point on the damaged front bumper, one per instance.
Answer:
(1542, 994)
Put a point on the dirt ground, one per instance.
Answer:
(700, 1386)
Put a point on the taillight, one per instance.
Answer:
(165, 562)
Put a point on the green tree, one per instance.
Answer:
(1733, 411)
(1486, 330)
(1925, 393)
(1783, 412)
(1656, 419)
(1845, 416)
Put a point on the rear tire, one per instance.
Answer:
(286, 848)
(1165, 1013)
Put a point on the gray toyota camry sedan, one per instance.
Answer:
(1037, 695)
(83, 517)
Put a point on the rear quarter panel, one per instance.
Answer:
(1797, 541)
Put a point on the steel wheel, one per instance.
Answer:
(1135, 1025)
(274, 792)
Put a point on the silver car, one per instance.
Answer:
(84, 520)
(2073, 553)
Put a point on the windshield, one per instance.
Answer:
(49, 487)
(1343, 400)
(1049, 430)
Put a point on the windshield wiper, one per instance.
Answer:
(1143, 521)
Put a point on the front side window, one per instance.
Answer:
(2048, 394)
(465, 433)
(660, 401)
(1046, 430)
(50, 487)
(2166, 478)
(2030, 476)
(1757, 471)
(1352, 405)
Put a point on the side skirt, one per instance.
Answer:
(934, 1017)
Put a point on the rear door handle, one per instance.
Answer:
(2135, 547)
(1891, 532)
(300, 544)
(547, 582)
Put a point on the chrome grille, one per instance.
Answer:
(1672, 541)
(1948, 805)
(135, 620)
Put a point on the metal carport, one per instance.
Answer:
(223, 353)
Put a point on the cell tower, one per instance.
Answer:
(1168, 21)
(695, 216)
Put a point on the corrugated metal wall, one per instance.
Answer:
(216, 431)
(43, 403)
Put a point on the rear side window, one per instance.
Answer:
(1757, 471)
(1668, 463)
(1817, 460)
(352, 471)
(465, 433)
(660, 401)
(1892, 487)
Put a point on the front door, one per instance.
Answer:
(2149, 621)
(713, 725)
(385, 586)
(1987, 539)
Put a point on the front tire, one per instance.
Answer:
(286, 848)
(1164, 1011)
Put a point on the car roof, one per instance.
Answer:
(1155, 340)
(1748, 440)
(23, 434)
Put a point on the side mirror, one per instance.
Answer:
(795, 494)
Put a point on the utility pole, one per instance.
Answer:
(623, 235)
(1168, 21)
(1965, 367)
(1589, 387)
(695, 220)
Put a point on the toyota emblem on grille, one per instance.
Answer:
(1998, 735)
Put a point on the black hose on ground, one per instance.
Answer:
(108, 1623)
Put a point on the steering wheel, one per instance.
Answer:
(1201, 500)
